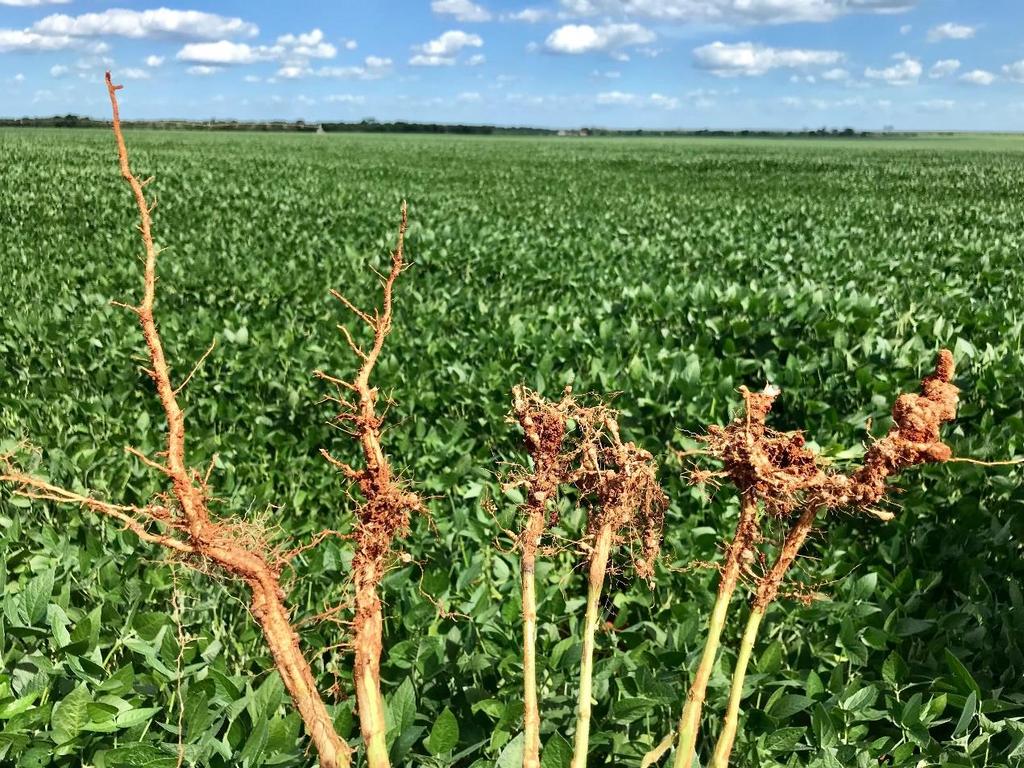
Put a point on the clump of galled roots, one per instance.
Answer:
(619, 483)
(544, 424)
(625, 504)
(784, 476)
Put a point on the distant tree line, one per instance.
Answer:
(369, 125)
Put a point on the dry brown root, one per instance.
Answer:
(618, 481)
(544, 426)
(384, 512)
(180, 521)
(792, 478)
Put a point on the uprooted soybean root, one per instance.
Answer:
(180, 521)
(384, 512)
(786, 476)
(579, 446)
(544, 426)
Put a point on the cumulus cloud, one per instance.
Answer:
(1015, 71)
(442, 51)
(835, 75)
(58, 70)
(160, 22)
(620, 98)
(584, 38)
(905, 71)
(222, 52)
(309, 45)
(294, 50)
(750, 59)
(345, 98)
(133, 73)
(372, 68)
(61, 31)
(951, 31)
(978, 77)
(736, 11)
(527, 15)
(462, 10)
(476, 60)
(202, 70)
(27, 40)
(936, 105)
(943, 68)
(154, 61)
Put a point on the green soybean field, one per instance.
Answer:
(659, 274)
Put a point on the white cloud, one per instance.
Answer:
(936, 105)
(750, 59)
(253, 79)
(462, 10)
(468, 97)
(978, 77)
(351, 45)
(616, 97)
(441, 51)
(154, 61)
(133, 73)
(19, 78)
(951, 31)
(620, 98)
(221, 52)
(58, 70)
(424, 60)
(527, 15)
(664, 102)
(476, 60)
(309, 45)
(1015, 71)
(294, 50)
(345, 98)
(906, 29)
(943, 68)
(373, 68)
(906, 71)
(26, 40)
(202, 70)
(584, 38)
(293, 71)
(735, 11)
(835, 75)
(160, 22)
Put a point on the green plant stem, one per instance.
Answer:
(595, 583)
(723, 749)
(767, 591)
(531, 707)
(689, 723)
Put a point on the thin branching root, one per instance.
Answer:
(386, 505)
(181, 521)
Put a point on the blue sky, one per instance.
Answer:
(911, 64)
